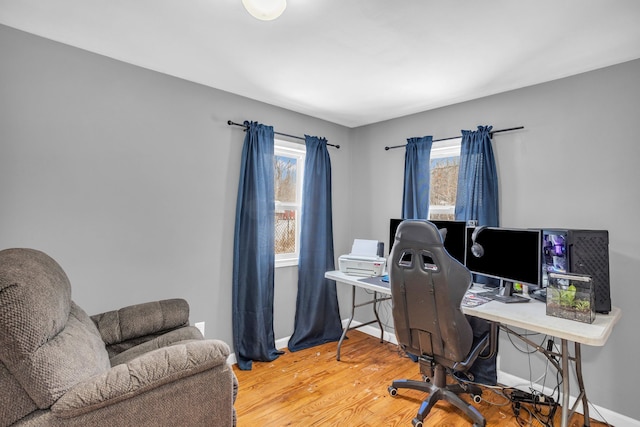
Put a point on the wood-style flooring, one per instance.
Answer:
(311, 388)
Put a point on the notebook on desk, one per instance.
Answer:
(472, 299)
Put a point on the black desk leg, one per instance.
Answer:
(375, 311)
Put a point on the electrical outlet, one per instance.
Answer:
(200, 326)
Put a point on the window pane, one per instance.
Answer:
(285, 179)
(444, 186)
(285, 231)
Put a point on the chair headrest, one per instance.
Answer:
(418, 231)
(35, 299)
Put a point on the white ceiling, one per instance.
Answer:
(351, 62)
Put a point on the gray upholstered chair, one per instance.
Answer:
(427, 287)
(139, 366)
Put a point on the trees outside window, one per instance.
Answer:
(445, 163)
(288, 173)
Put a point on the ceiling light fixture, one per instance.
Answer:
(265, 10)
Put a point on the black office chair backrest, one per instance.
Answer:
(427, 287)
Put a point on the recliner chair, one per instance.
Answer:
(141, 366)
(427, 287)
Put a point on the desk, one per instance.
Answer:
(530, 316)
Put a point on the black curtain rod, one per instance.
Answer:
(230, 123)
(455, 137)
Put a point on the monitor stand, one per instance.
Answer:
(506, 288)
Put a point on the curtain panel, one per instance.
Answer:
(253, 252)
(417, 173)
(477, 199)
(317, 318)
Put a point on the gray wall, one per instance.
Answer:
(128, 178)
(574, 165)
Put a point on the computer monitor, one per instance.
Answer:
(454, 241)
(511, 255)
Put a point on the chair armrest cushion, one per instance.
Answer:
(141, 375)
(178, 336)
(142, 319)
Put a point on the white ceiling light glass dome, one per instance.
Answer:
(265, 10)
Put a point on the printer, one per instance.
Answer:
(363, 259)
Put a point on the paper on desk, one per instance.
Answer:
(364, 247)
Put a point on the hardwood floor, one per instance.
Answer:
(311, 388)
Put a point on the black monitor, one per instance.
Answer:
(512, 255)
(454, 240)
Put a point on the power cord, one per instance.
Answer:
(538, 406)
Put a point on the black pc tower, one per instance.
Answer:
(581, 252)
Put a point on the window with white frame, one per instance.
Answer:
(288, 173)
(445, 163)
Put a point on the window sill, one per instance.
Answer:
(286, 262)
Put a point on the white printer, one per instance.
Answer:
(363, 259)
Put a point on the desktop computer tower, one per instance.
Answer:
(581, 252)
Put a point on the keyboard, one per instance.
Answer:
(487, 294)
(510, 299)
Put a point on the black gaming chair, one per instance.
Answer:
(427, 287)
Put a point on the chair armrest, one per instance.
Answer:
(143, 375)
(140, 320)
(177, 336)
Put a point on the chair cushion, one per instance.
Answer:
(47, 343)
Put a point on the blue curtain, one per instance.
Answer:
(477, 196)
(253, 251)
(417, 173)
(477, 199)
(317, 319)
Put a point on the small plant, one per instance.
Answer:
(568, 296)
(582, 305)
(567, 302)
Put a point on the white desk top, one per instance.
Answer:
(339, 276)
(531, 316)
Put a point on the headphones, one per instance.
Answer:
(476, 248)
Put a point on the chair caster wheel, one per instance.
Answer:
(416, 422)
(477, 398)
(392, 390)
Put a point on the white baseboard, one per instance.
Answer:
(284, 342)
(596, 412)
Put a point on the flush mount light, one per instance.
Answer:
(265, 10)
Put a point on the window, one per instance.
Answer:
(445, 163)
(288, 172)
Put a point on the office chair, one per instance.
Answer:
(427, 287)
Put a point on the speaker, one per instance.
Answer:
(581, 252)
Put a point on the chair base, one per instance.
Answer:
(448, 393)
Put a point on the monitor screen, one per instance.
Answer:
(509, 254)
(454, 241)
(393, 226)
